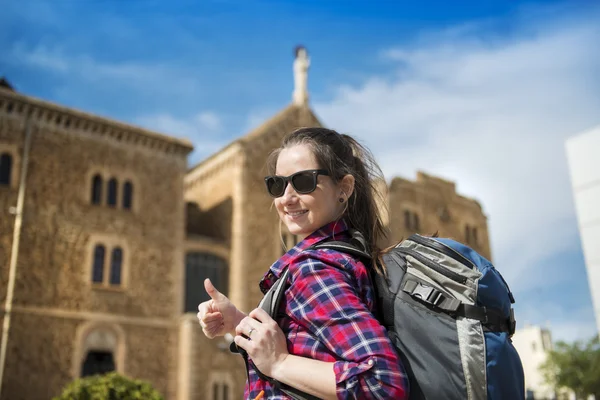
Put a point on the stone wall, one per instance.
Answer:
(54, 294)
(42, 348)
(439, 210)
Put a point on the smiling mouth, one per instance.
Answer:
(296, 213)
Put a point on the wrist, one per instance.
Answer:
(279, 367)
(239, 316)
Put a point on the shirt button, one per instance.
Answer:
(370, 362)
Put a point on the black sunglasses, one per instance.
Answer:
(303, 182)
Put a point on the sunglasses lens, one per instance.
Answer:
(304, 182)
(276, 186)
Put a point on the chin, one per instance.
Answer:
(298, 230)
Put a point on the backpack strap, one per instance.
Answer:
(270, 303)
(491, 318)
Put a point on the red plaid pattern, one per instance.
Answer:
(326, 315)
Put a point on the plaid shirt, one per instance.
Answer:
(326, 314)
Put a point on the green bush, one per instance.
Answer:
(110, 386)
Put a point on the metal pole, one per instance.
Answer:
(14, 251)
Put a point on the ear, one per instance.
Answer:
(346, 185)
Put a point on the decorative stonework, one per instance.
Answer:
(99, 336)
(49, 116)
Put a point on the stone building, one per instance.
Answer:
(98, 266)
(117, 237)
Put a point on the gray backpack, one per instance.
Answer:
(448, 312)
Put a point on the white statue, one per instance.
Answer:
(301, 64)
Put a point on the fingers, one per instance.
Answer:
(211, 290)
(261, 315)
(247, 326)
(212, 322)
(242, 342)
(212, 328)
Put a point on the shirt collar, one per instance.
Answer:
(334, 229)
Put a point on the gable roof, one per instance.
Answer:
(291, 117)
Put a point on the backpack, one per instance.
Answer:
(447, 311)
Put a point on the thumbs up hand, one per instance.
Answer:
(218, 315)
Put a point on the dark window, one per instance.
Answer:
(225, 392)
(116, 262)
(127, 195)
(5, 168)
(471, 234)
(407, 219)
(216, 391)
(98, 267)
(97, 363)
(198, 267)
(111, 198)
(96, 189)
(411, 220)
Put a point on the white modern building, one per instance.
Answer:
(533, 344)
(583, 155)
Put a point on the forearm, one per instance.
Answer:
(308, 375)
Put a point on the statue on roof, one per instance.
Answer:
(301, 64)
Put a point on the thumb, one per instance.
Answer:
(211, 290)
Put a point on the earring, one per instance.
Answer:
(341, 200)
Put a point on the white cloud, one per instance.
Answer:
(493, 116)
(140, 76)
(204, 129)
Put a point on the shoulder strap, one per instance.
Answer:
(270, 303)
(272, 299)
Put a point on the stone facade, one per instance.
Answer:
(218, 208)
(54, 295)
(430, 206)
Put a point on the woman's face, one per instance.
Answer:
(305, 213)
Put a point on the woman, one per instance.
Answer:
(327, 342)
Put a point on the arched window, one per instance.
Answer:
(220, 391)
(98, 266)
(113, 187)
(115, 266)
(127, 195)
(97, 189)
(218, 386)
(99, 350)
(198, 267)
(5, 168)
(97, 363)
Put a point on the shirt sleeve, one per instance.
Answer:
(325, 300)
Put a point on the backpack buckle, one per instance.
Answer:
(426, 293)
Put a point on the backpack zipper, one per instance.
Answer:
(433, 265)
(442, 248)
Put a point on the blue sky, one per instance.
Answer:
(480, 92)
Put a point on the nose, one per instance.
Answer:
(289, 194)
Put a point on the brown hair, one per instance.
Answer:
(343, 155)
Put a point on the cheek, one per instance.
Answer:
(278, 206)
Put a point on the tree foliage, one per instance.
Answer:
(111, 386)
(575, 366)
